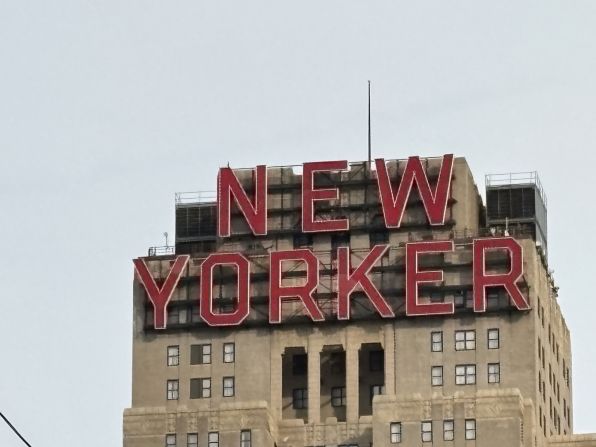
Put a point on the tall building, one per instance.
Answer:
(340, 304)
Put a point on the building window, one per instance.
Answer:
(171, 440)
(448, 430)
(173, 355)
(376, 361)
(465, 340)
(426, 431)
(245, 438)
(436, 341)
(229, 352)
(303, 240)
(192, 440)
(200, 388)
(378, 237)
(395, 432)
(200, 354)
(494, 373)
(493, 338)
(338, 396)
(228, 386)
(172, 389)
(213, 439)
(436, 376)
(299, 364)
(299, 398)
(470, 428)
(337, 360)
(376, 390)
(465, 374)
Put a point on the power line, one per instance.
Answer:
(14, 429)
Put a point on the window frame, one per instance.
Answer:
(340, 400)
(470, 432)
(300, 398)
(173, 359)
(229, 357)
(466, 375)
(245, 442)
(227, 387)
(190, 443)
(448, 433)
(433, 376)
(202, 354)
(168, 438)
(489, 339)
(204, 391)
(172, 392)
(466, 333)
(395, 435)
(213, 442)
(493, 377)
(433, 342)
(428, 433)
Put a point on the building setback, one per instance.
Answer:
(254, 348)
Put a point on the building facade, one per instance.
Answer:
(371, 319)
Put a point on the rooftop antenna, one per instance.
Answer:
(165, 234)
(369, 137)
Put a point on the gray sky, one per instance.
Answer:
(109, 107)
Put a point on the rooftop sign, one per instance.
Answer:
(393, 198)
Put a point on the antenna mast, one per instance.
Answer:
(369, 137)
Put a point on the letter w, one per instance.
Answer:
(394, 204)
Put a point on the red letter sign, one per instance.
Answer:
(277, 292)
(310, 195)
(508, 280)
(394, 204)
(347, 282)
(160, 297)
(414, 277)
(228, 186)
(243, 268)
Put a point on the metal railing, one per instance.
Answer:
(195, 197)
(516, 178)
(161, 251)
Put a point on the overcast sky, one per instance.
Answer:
(107, 108)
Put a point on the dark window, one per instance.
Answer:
(299, 364)
(200, 354)
(376, 360)
(338, 362)
(200, 388)
(303, 240)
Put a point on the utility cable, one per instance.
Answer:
(14, 429)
